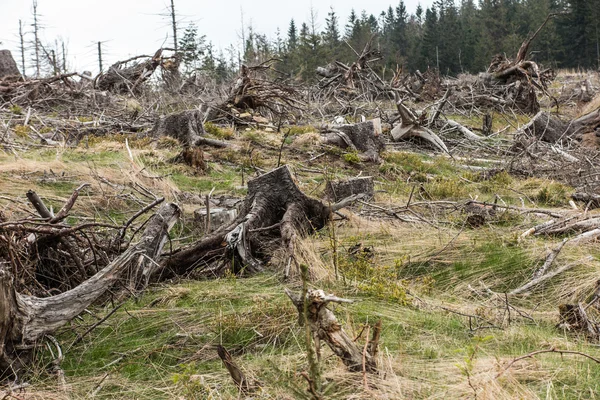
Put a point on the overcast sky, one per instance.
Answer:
(132, 27)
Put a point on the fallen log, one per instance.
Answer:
(25, 320)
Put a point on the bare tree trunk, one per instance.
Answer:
(36, 44)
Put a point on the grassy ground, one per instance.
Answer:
(442, 338)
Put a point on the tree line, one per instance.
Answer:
(453, 37)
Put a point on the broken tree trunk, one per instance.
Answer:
(413, 126)
(274, 214)
(364, 137)
(325, 326)
(127, 80)
(24, 320)
(551, 129)
(8, 66)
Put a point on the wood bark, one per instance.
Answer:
(274, 214)
(364, 137)
(551, 129)
(8, 66)
(24, 320)
(339, 190)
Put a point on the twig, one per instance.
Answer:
(552, 350)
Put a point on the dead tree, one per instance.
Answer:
(274, 214)
(25, 320)
(325, 326)
(256, 89)
(520, 77)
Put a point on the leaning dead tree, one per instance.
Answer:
(325, 327)
(25, 320)
(257, 96)
(274, 214)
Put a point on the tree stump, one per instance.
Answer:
(8, 66)
(339, 190)
(364, 137)
(273, 215)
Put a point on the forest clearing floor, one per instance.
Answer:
(437, 281)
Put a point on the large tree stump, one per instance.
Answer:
(25, 320)
(274, 214)
(364, 137)
(8, 66)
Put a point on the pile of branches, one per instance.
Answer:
(262, 90)
(357, 79)
(58, 89)
(48, 255)
(507, 84)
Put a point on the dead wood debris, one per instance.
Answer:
(261, 90)
(26, 319)
(325, 326)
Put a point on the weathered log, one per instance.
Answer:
(338, 190)
(8, 66)
(24, 320)
(235, 372)
(325, 326)
(551, 129)
(364, 137)
(274, 213)
(592, 200)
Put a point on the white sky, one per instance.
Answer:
(133, 27)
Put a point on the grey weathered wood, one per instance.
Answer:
(364, 137)
(325, 326)
(339, 190)
(24, 320)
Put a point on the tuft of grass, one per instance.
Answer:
(219, 132)
(553, 194)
